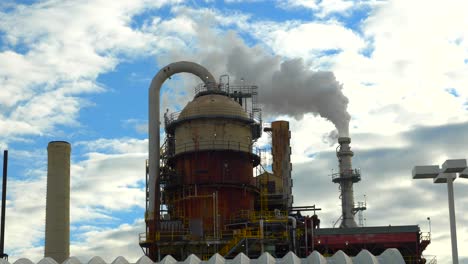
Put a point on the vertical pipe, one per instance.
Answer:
(4, 186)
(306, 236)
(57, 230)
(217, 215)
(247, 247)
(262, 249)
(312, 236)
(214, 215)
(453, 228)
(294, 224)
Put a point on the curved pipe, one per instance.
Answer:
(154, 124)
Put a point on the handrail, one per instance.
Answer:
(216, 144)
(430, 259)
(352, 173)
(229, 88)
(206, 111)
(254, 216)
(426, 236)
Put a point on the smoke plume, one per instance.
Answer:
(289, 87)
(296, 90)
(331, 137)
(286, 86)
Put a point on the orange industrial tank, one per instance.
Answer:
(211, 155)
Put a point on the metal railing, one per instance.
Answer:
(430, 259)
(354, 174)
(217, 144)
(254, 216)
(251, 109)
(142, 237)
(210, 111)
(227, 88)
(426, 236)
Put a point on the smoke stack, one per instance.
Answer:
(281, 150)
(57, 231)
(4, 189)
(346, 178)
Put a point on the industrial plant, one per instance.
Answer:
(210, 195)
(208, 192)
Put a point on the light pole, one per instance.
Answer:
(446, 174)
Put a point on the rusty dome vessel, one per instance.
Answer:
(210, 158)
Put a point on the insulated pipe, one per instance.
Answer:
(294, 224)
(154, 126)
(261, 226)
(305, 237)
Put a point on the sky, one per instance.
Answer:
(80, 70)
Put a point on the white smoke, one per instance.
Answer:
(286, 86)
(331, 137)
(291, 88)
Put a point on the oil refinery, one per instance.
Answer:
(208, 192)
(210, 196)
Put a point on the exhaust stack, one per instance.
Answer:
(346, 178)
(57, 231)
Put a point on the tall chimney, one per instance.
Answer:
(57, 231)
(281, 150)
(346, 178)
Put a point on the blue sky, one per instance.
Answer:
(80, 72)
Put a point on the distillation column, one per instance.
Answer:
(213, 156)
(346, 178)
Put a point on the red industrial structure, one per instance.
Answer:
(214, 196)
(210, 161)
(407, 239)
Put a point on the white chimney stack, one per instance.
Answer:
(57, 231)
(346, 178)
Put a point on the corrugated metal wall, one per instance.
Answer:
(389, 256)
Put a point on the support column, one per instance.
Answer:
(453, 227)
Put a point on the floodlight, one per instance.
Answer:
(442, 177)
(425, 172)
(464, 173)
(454, 165)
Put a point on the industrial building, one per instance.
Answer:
(208, 191)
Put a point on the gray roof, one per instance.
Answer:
(389, 256)
(368, 230)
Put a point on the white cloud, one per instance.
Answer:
(113, 181)
(313, 4)
(109, 179)
(413, 58)
(413, 62)
(25, 214)
(110, 243)
(242, 1)
(310, 39)
(335, 6)
(392, 196)
(328, 8)
(140, 126)
(116, 146)
(53, 52)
